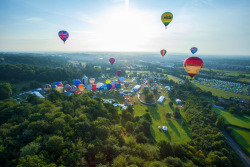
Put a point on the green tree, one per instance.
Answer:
(145, 91)
(5, 91)
(30, 149)
(55, 144)
(220, 123)
(177, 114)
(171, 104)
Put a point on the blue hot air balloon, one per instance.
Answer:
(122, 79)
(194, 50)
(77, 82)
(109, 86)
(89, 87)
(63, 35)
(118, 86)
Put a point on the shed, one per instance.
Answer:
(165, 128)
(160, 100)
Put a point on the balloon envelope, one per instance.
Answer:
(67, 87)
(119, 72)
(77, 82)
(118, 86)
(108, 81)
(63, 35)
(99, 84)
(73, 88)
(89, 87)
(112, 60)
(193, 50)
(59, 85)
(104, 87)
(94, 87)
(163, 52)
(122, 79)
(109, 86)
(113, 85)
(193, 65)
(81, 87)
(91, 80)
(166, 18)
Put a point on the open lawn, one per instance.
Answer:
(221, 93)
(158, 113)
(241, 121)
(170, 77)
(242, 137)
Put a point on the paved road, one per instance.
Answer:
(237, 149)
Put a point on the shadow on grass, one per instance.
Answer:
(167, 135)
(173, 127)
(187, 130)
(154, 112)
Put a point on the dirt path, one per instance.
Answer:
(237, 149)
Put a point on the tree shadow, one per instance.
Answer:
(167, 135)
(187, 130)
(154, 112)
(173, 127)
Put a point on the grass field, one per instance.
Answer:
(158, 113)
(242, 137)
(242, 121)
(221, 93)
(170, 77)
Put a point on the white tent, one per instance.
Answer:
(178, 101)
(160, 100)
(165, 128)
(159, 127)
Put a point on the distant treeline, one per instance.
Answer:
(23, 72)
(52, 61)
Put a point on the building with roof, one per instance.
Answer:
(161, 99)
(136, 88)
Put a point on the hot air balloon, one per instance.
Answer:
(163, 52)
(99, 84)
(94, 87)
(104, 87)
(166, 18)
(53, 87)
(89, 87)
(67, 87)
(81, 87)
(113, 85)
(91, 80)
(59, 85)
(47, 87)
(193, 65)
(119, 72)
(59, 89)
(77, 82)
(108, 81)
(85, 80)
(109, 86)
(63, 35)
(112, 60)
(119, 81)
(118, 86)
(73, 88)
(194, 50)
(122, 79)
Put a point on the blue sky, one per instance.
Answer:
(215, 27)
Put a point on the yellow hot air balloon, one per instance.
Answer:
(166, 18)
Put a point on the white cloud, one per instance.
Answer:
(34, 19)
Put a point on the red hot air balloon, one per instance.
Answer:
(193, 65)
(119, 73)
(112, 60)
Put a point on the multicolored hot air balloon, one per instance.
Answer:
(166, 18)
(119, 72)
(112, 60)
(194, 50)
(59, 85)
(193, 65)
(91, 80)
(67, 87)
(63, 35)
(113, 85)
(163, 52)
(73, 88)
(81, 87)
